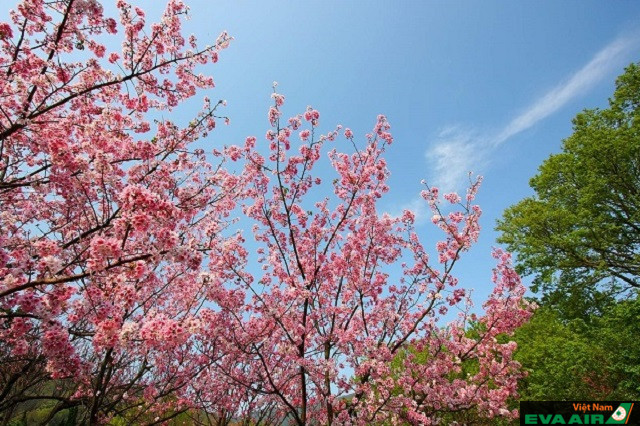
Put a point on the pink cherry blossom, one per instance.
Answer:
(107, 212)
(322, 304)
(128, 287)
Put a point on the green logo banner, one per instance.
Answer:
(579, 413)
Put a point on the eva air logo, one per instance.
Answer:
(621, 415)
(578, 413)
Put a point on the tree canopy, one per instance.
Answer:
(580, 233)
(560, 355)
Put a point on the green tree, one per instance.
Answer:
(576, 359)
(617, 331)
(561, 360)
(579, 235)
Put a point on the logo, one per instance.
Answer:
(579, 413)
(621, 415)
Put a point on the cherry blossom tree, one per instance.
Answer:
(326, 332)
(125, 292)
(106, 210)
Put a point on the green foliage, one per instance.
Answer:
(559, 359)
(579, 236)
(118, 421)
(618, 331)
(580, 233)
(575, 359)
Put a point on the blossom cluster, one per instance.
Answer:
(126, 289)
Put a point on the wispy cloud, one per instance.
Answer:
(599, 67)
(455, 151)
(458, 150)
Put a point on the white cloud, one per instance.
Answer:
(457, 151)
(600, 66)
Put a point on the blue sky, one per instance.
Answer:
(486, 86)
